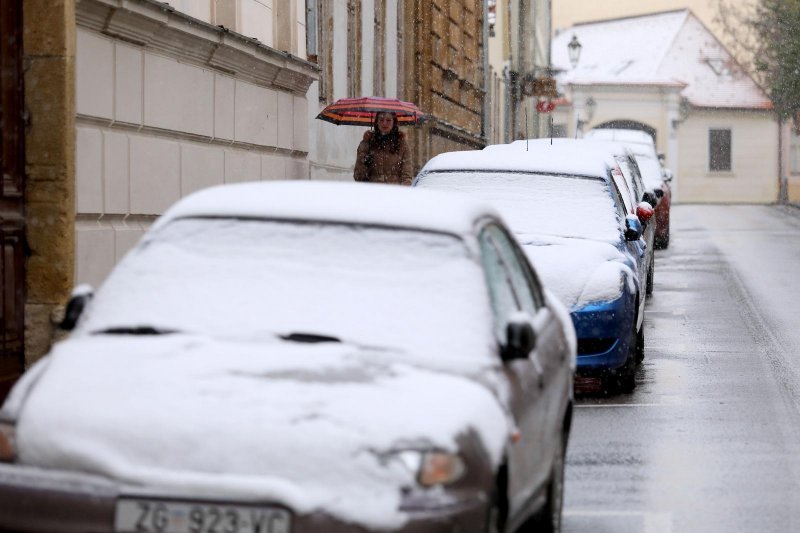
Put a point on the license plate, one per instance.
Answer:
(137, 515)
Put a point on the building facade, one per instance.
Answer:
(122, 108)
(429, 52)
(519, 58)
(673, 78)
(445, 69)
(357, 45)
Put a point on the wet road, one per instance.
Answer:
(710, 440)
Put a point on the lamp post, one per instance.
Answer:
(574, 50)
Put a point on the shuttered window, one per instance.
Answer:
(719, 150)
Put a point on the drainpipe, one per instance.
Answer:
(783, 193)
(486, 126)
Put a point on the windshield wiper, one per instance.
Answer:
(309, 337)
(136, 330)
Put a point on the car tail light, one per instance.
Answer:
(8, 445)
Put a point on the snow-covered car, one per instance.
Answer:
(655, 176)
(628, 177)
(564, 205)
(300, 357)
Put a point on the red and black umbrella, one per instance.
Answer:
(361, 111)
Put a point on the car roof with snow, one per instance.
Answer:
(335, 202)
(640, 142)
(535, 155)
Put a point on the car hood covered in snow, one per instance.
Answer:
(577, 271)
(312, 426)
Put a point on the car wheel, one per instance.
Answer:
(650, 274)
(548, 519)
(640, 345)
(663, 242)
(497, 513)
(493, 519)
(626, 374)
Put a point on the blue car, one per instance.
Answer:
(564, 204)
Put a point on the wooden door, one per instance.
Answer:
(12, 201)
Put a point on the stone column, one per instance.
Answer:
(49, 56)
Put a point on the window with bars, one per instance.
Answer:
(719, 150)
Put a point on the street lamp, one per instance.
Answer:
(590, 105)
(574, 50)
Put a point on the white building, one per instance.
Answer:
(667, 74)
(358, 45)
(519, 53)
(168, 102)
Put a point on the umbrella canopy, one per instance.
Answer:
(361, 111)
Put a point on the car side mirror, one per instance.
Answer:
(651, 197)
(659, 193)
(520, 338)
(80, 298)
(633, 228)
(644, 212)
(667, 175)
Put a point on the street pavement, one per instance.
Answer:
(709, 440)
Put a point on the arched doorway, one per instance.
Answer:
(622, 124)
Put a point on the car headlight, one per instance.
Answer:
(433, 467)
(606, 285)
(8, 444)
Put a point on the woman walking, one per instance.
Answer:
(383, 154)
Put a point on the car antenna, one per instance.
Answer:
(527, 133)
(551, 130)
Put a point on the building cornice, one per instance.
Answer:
(159, 27)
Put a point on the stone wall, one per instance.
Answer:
(49, 50)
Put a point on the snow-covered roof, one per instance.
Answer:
(356, 203)
(671, 48)
(559, 156)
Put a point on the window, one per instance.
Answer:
(719, 150)
(559, 130)
(501, 294)
(524, 281)
(512, 286)
(794, 153)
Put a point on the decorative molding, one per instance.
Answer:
(173, 135)
(159, 27)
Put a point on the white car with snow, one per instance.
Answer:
(300, 357)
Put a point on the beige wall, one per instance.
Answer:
(157, 121)
(754, 158)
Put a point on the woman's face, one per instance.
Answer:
(385, 123)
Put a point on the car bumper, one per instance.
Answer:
(37, 500)
(604, 335)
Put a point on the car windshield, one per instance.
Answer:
(309, 282)
(539, 204)
(651, 171)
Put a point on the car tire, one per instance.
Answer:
(662, 243)
(626, 374)
(640, 345)
(493, 524)
(651, 271)
(548, 518)
(497, 512)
